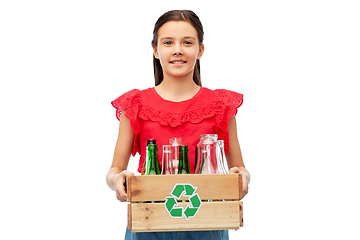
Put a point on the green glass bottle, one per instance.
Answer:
(184, 165)
(149, 141)
(152, 163)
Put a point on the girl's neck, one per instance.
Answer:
(177, 89)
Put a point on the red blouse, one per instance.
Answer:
(153, 117)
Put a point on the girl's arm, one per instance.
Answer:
(117, 174)
(234, 157)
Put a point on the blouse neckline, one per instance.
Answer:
(184, 101)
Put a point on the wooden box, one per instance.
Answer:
(184, 202)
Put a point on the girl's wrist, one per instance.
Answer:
(246, 174)
(116, 180)
(111, 178)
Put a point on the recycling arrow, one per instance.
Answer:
(173, 211)
(169, 203)
(187, 190)
(178, 191)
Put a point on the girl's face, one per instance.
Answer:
(178, 48)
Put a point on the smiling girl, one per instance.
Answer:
(178, 106)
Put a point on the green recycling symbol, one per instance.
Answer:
(187, 190)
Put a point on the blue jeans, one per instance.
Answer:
(188, 235)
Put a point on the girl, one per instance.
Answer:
(178, 106)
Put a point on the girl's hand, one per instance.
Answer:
(245, 179)
(121, 194)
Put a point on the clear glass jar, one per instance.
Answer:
(207, 159)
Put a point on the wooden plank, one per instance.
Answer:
(209, 186)
(211, 215)
(128, 186)
(129, 219)
(241, 214)
(241, 194)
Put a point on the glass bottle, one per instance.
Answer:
(207, 155)
(184, 165)
(175, 143)
(149, 141)
(196, 157)
(146, 155)
(152, 163)
(167, 161)
(222, 162)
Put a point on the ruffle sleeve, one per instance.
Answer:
(226, 103)
(130, 102)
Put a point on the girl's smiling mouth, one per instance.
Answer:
(177, 62)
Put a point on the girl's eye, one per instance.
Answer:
(187, 43)
(168, 43)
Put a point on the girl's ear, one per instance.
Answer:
(156, 54)
(201, 51)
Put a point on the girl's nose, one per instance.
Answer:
(177, 50)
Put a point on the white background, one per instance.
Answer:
(63, 62)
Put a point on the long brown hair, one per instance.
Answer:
(177, 15)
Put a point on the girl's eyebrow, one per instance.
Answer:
(187, 37)
(167, 38)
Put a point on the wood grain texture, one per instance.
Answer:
(212, 215)
(145, 215)
(241, 207)
(209, 186)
